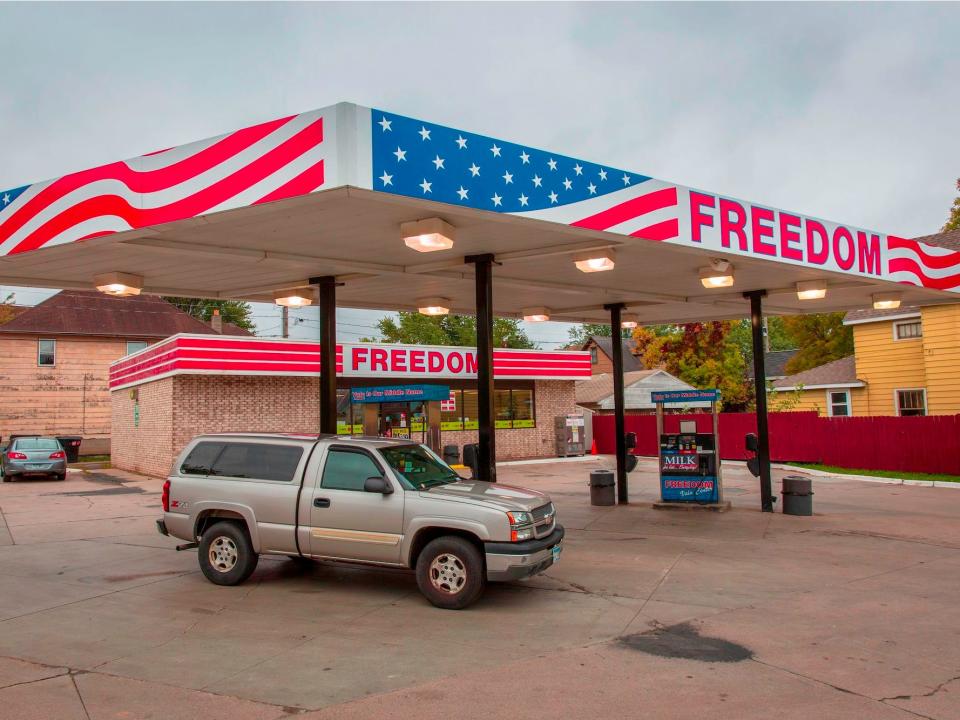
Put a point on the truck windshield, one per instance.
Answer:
(418, 466)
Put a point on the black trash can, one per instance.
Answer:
(471, 457)
(797, 495)
(451, 454)
(602, 488)
(71, 446)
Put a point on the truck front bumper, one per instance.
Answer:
(514, 561)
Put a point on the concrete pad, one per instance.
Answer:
(42, 700)
(849, 613)
(112, 698)
(18, 672)
(608, 681)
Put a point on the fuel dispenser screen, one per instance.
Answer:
(688, 467)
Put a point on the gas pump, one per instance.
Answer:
(689, 461)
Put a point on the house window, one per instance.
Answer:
(594, 357)
(839, 403)
(907, 330)
(46, 353)
(135, 346)
(912, 402)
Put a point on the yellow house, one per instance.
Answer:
(906, 362)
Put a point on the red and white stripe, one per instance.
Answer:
(915, 263)
(266, 162)
(648, 209)
(208, 355)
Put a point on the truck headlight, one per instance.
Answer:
(521, 526)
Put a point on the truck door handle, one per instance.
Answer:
(321, 502)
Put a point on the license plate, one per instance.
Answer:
(555, 553)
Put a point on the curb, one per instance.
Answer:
(866, 478)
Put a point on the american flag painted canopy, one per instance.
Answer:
(349, 145)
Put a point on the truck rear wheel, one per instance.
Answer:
(450, 572)
(225, 554)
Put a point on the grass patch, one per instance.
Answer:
(832, 469)
(94, 458)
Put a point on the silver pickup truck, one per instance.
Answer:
(375, 501)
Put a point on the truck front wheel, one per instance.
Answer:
(225, 554)
(450, 572)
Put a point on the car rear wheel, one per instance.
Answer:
(60, 476)
(450, 572)
(226, 555)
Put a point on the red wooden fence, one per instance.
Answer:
(913, 444)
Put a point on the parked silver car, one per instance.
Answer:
(376, 501)
(32, 456)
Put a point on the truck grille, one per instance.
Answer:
(544, 518)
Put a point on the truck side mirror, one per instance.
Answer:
(750, 442)
(377, 485)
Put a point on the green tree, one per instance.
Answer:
(953, 222)
(819, 338)
(702, 354)
(741, 333)
(579, 333)
(231, 311)
(416, 329)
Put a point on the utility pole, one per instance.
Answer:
(284, 321)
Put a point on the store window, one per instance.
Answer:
(911, 402)
(135, 346)
(471, 410)
(46, 353)
(501, 409)
(450, 411)
(908, 330)
(521, 403)
(344, 412)
(512, 408)
(839, 402)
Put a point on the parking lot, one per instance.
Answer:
(850, 613)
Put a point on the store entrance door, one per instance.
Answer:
(403, 420)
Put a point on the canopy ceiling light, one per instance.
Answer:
(718, 275)
(536, 314)
(811, 289)
(629, 320)
(886, 300)
(595, 260)
(433, 305)
(118, 284)
(293, 298)
(428, 235)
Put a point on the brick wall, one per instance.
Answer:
(174, 410)
(145, 446)
(551, 398)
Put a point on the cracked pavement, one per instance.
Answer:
(848, 614)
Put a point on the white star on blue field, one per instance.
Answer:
(421, 159)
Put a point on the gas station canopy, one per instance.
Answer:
(262, 210)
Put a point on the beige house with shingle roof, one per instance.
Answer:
(906, 361)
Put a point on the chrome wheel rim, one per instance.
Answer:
(448, 574)
(223, 554)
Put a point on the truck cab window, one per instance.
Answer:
(348, 469)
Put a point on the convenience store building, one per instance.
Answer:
(188, 384)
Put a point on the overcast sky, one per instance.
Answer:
(843, 111)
